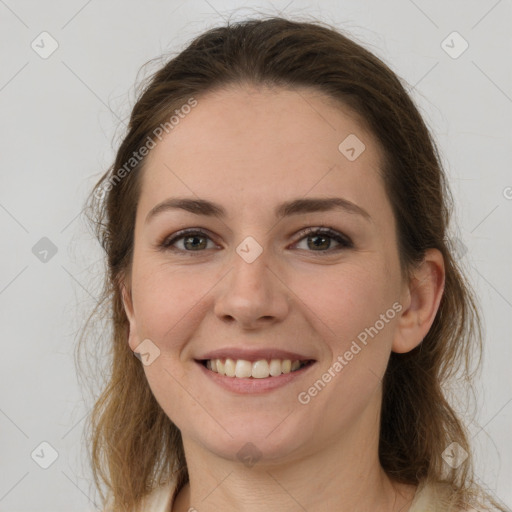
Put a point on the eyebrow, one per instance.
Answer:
(293, 207)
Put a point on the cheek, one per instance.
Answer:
(347, 299)
(167, 300)
(354, 313)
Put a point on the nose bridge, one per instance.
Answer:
(251, 293)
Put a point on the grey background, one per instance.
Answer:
(61, 119)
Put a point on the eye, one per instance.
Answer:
(320, 240)
(194, 240)
(317, 240)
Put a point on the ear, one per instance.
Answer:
(420, 299)
(126, 296)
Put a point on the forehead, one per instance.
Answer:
(248, 146)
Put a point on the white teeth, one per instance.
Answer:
(229, 368)
(275, 367)
(261, 369)
(243, 369)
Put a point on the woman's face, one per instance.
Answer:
(254, 287)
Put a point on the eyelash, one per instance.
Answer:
(344, 241)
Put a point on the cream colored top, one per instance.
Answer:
(427, 499)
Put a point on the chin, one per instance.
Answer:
(265, 440)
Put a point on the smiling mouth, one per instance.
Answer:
(260, 369)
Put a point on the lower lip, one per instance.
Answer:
(251, 385)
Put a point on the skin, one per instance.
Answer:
(250, 149)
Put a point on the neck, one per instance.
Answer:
(276, 489)
(342, 475)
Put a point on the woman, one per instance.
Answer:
(275, 225)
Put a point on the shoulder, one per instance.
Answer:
(158, 500)
(434, 497)
(441, 497)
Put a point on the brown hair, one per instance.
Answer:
(134, 445)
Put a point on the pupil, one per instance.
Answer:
(194, 241)
(322, 238)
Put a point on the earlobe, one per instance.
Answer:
(421, 299)
(126, 297)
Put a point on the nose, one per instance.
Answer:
(253, 295)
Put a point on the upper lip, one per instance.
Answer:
(253, 354)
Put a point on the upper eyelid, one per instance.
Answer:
(182, 233)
